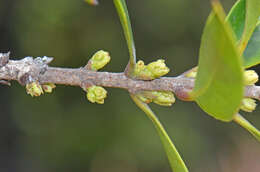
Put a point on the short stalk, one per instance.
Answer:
(176, 162)
(126, 24)
(247, 125)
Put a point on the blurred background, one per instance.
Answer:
(63, 132)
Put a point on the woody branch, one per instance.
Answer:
(28, 70)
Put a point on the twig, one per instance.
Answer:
(28, 70)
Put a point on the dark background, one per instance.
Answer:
(63, 132)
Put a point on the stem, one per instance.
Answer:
(176, 162)
(126, 24)
(21, 70)
(247, 125)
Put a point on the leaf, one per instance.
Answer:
(252, 51)
(237, 17)
(248, 126)
(219, 83)
(243, 18)
(176, 162)
(125, 22)
(252, 17)
(92, 2)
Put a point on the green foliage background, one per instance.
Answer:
(63, 132)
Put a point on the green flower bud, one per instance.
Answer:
(99, 60)
(248, 105)
(34, 89)
(142, 72)
(151, 71)
(192, 73)
(158, 68)
(139, 67)
(96, 94)
(144, 99)
(250, 77)
(48, 87)
(163, 98)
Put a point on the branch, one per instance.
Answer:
(28, 70)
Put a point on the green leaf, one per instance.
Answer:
(248, 126)
(237, 17)
(243, 18)
(176, 162)
(252, 17)
(219, 83)
(252, 51)
(125, 21)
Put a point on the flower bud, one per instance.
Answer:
(144, 99)
(34, 89)
(158, 68)
(250, 77)
(142, 72)
(151, 71)
(139, 67)
(99, 60)
(48, 87)
(96, 94)
(192, 73)
(248, 105)
(163, 98)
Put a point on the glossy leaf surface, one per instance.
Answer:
(252, 17)
(243, 18)
(219, 85)
(237, 17)
(252, 51)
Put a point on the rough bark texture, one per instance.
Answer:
(28, 70)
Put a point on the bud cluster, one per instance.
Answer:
(35, 89)
(48, 87)
(163, 98)
(96, 94)
(192, 73)
(250, 78)
(99, 60)
(151, 71)
(248, 105)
